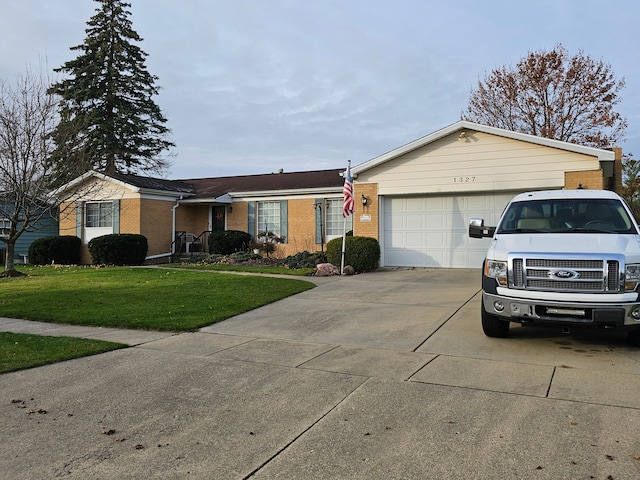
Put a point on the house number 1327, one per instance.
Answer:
(464, 179)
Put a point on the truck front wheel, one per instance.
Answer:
(633, 337)
(492, 326)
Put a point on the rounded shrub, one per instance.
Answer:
(228, 241)
(63, 250)
(119, 249)
(362, 253)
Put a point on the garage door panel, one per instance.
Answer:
(435, 220)
(414, 204)
(415, 240)
(415, 220)
(433, 231)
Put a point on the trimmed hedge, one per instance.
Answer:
(119, 249)
(63, 250)
(362, 253)
(226, 242)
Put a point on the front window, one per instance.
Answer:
(99, 215)
(335, 222)
(269, 219)
(567, 216)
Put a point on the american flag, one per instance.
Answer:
(348, 205)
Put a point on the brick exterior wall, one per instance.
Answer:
(302, 228)
(616, 184)
(156, 224)
(154, 221)
(591, 179)
(594, 179)
(301, 231)
(366, 228)
(238, 218)
(192, 218)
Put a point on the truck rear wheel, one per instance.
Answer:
(492, 326)
(633, 337)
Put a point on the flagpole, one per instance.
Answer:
(344, 240)
(347, 209)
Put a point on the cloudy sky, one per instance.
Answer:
(253, 86)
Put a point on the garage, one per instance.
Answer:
(421, 196)
(432, 231)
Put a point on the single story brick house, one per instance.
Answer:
(304, 209)
(416, 199)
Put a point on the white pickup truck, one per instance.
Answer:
(563, 257)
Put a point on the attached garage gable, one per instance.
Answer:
(429, 189)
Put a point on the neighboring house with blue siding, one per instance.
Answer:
(47, 226)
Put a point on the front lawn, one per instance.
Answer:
(20, 350)
(138, 298)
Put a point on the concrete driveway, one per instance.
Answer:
(378, 376)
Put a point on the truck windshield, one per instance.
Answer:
(567, 216)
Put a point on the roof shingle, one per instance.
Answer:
(216, 187)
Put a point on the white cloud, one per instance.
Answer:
(251, 86)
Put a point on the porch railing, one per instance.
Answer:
(187, 243)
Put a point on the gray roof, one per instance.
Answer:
(216, 187)
(154, 183)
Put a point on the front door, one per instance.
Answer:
(218, 223)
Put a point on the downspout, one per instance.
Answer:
(173, 234)
(173, 225)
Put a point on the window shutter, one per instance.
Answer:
(284, 221)
(79, 218)
(251, 228)
(319, 207)
(115, 212)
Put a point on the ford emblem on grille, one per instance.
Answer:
(564, 274)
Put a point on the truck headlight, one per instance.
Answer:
(631, 277)
(498, 270)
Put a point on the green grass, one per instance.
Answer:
(19, 351)
(247, 268)
(138, 298)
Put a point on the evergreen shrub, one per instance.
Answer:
(119, 249)
(228, 241)
(63, 250)
(362, 253)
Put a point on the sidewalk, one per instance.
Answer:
(119, 335)
(381, 376)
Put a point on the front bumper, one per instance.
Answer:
(561, 313)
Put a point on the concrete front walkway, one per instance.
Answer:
(378, 376)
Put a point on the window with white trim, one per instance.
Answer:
(268, 218)
(99, 215)
(335, 222)
(94, 219)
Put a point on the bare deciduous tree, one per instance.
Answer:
(552, 95)
(28, 115)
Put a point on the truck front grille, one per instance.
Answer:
(565, 274)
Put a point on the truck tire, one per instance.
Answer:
(633, 337)
(492, 326)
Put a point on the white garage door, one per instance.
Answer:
(432, 231)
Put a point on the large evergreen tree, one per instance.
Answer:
(107, 97)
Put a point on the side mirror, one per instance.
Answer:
(478, 230)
